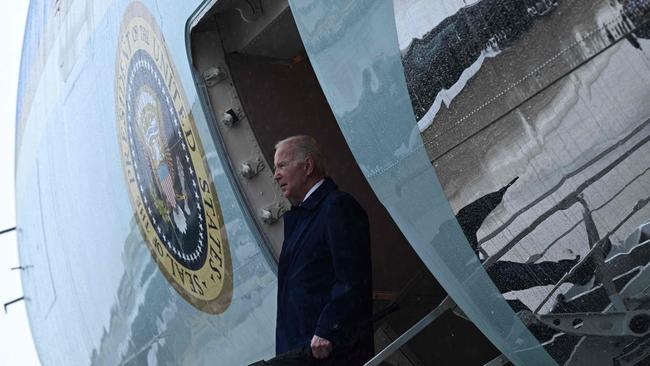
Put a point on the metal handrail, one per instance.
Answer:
(446, 304)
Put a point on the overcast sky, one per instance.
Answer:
(16, 345)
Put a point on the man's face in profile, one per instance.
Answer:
(290, 173)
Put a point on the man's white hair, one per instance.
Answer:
(304, 146)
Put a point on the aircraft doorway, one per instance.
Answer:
(260, 88)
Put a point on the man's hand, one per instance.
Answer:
(320, 347)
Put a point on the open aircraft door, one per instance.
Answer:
(484, 142)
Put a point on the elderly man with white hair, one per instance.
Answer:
(324, 274)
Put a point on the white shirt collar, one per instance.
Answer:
(313, 188)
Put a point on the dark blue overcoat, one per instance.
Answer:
(324, 274)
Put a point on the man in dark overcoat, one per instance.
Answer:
(324, 274)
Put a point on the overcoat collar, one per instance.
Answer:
(321, 192)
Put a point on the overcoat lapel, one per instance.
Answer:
(292, 245)
(301, 218)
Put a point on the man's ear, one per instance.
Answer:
(309, 165)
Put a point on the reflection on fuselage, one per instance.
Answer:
(553, 93)
(147, 315)
(437, 60)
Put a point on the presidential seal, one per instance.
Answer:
(170, 185)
